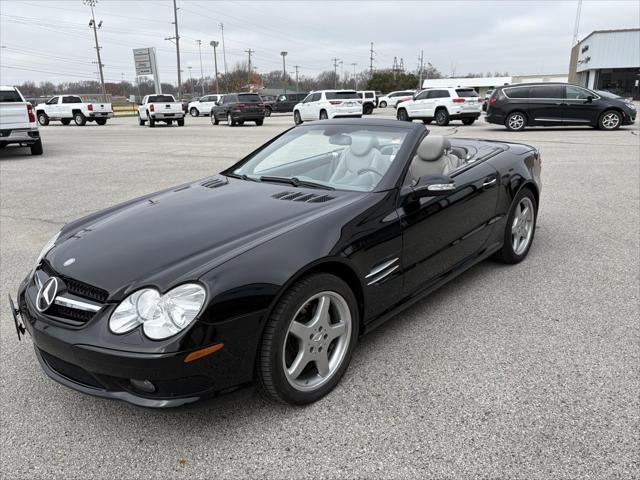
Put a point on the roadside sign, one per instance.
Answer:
(145, 62)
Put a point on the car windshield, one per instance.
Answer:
(249, 98)
(340, 157)
(9, 96)
(161, 98)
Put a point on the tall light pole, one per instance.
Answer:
(224, 51)
(92, 24)
(199, 42)
(355, 80)
(297, 86)
(284, 72)
(214, 44)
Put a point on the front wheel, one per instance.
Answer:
(468, 121)
(79, 119)
(36, 148)
(520, 228)
(214, 119)
(194, 112)
(308, 340)
(43, 119)
(515, 121)
(610, 120)
(383, 104)
(403, 115)
(297, 119)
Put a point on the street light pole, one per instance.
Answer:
(297, 86)
(92, 23)
(199, 42)
(284, 72)
(214, 44)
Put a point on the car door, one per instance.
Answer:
(52, 107)
(581, 106)
(440, 232)
(310, 107)
(546, 104)
(417, 108)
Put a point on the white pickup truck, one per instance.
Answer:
(18, 121)
(160, 108)
(71, 107)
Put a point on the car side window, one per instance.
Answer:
(53, 101)
(368, 95)
(546, 92)
(315, 97)
(423, 95)
(576, 93)
(517, 92)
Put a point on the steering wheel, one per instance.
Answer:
(365, 170)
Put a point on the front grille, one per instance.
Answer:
(76, 287)
(60, 311)
(70, 371)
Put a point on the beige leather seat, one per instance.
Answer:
(433, 157)
(362, 154)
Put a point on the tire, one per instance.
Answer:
(259, 122)
(610, 120)
(383, 104)
(79, 119)
(230, 121)
(101, 121)
(43, 119)
(427, 121)
(442, 117)
(65, 121)
(180, 122)
(194, 112)
(367, 110)
(512, 252)
(297, 119)
(152, 122)
(324, 115)
(267, 112)
(214, 119)
(468, 121)
(279, 346)
(515, 121)
(402, 115)
(36, 148)
(140, 120)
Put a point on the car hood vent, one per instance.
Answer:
(302, 197)
(214, 183)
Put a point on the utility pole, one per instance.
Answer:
(224, 52)
(92, 23)
(284, 72)
(395, 67)
(371, 53)
(341, 72)
(177, 39)
(214, 44)
(576, 27)
(297, 86)
(193, 90)
(335, 73)
(249, 52)
(421, 58)
(199, 42)
(355, 80)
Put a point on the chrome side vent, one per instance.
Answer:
(214, 183)
(302, 197)
(382, 271)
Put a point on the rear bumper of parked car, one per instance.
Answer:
(19, 135)
(167, 116)
(68, 356)
(101, 115)
(247, 117)
(464, 115)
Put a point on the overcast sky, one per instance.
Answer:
(50, 39)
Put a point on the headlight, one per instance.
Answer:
(47, 246)
(161, 316)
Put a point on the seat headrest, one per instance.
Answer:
(433, 147)
(362, 145)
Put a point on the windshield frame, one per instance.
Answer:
(393, 176)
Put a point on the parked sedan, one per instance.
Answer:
(272, 270)
(237, 108)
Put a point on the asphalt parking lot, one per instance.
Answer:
(528, 371)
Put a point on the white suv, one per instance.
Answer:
(391, 99)
(327, 104)
(443, 105)
(203, 105)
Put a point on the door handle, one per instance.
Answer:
(488, 183)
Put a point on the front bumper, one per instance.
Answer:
(20, 135)
(70, 356)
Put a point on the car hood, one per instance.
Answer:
(177, 235)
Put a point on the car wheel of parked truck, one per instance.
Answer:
(152, 122)
(140, 120)
(43, 119)
(101, 121)
(36, 148)
(181, 122)
(79, 119)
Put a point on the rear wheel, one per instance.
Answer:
(323, 115)
(297, 119)
(308, 340)
(468, 121)
(36, 148)
(515, 121)
(610, 120)
(194, 112)
(66, 121)
(259, 122)
(230, 121)
(43, 119)
(442, 117)
(180, 122)
(152, 122)
(368, 109)
(403, 115)
(79, 119)
(140, 120)
(214, 119)
(520, 228)
(101, 121)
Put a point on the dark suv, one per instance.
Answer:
(237, 108)
(553, 104)
(286, 101)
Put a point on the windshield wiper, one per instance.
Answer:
(296, 182)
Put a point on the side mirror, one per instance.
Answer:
(433, 185)
(590, 99)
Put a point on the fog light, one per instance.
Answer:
(143, 385)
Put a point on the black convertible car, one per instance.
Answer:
(273, 269)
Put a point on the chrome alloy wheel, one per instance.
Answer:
(317, 341)
(610, 120)
(516, 121)
(522, 228)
